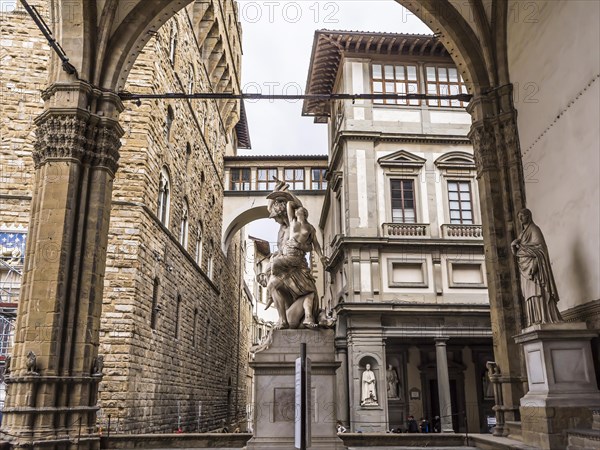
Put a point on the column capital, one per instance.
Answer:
(484, 139)
(441, 340)
(79, 136)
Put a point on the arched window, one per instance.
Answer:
(173, 43)
(184, 228)
(195, 328)
(177, 316)
(210, 263)
(164, 197)
(199, 245)
(211, 257)
(155, 307)
(188, 156)
(169, 119)
(191, 79)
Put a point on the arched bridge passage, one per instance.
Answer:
(243, 207)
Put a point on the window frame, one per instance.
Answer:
(195, 328)
(191, 79)
(178, 317)
(266, 182)
(173, 41)
(184, 228)
(199, 246)
(169, 121)
(237, 184)
(462, 87)
(210, 261)
(164, 197)
(292, 182)
(396, 81)
(398, 177)
(321, 182)
(154, 308)
(458, 182)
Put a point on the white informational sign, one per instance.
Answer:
(298, 402)
(300, 376)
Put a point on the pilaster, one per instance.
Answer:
(55, 369)
(502, 191)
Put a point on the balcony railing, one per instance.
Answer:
(406, 230)
(460, 231)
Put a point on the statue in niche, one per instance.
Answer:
(537, 282)
(392, 382)
(368, 395)
(288, 278)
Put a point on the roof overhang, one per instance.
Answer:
(241, 129)
(329, 47)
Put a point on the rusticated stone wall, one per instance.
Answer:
(189, 371)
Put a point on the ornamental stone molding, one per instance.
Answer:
(78, 136)
(483, 138)
(511, 141)
(59, 137)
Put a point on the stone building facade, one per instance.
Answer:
(402, 228)
(175, 318)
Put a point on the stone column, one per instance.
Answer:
(343, 400)
(443, 382)
(502, 190)
(55, 372)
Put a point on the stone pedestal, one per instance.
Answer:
(562, 382)
(274, 401)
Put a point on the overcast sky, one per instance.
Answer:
(277, 43)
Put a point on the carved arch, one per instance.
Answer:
(109, 59)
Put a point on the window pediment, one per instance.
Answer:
(401, 158)
(456, 160)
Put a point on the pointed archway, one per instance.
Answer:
(79, 133)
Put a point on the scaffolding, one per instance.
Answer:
(10, 281)
(11, 272)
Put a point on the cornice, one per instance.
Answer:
(414, 138)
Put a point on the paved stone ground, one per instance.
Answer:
(412, 448)
(349, 448)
